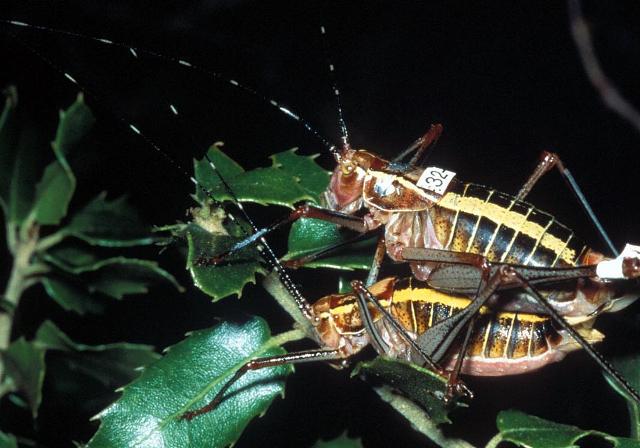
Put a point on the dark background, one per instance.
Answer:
(504, 79)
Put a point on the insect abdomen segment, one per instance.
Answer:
(473, 218)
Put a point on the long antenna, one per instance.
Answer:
(133, 51)
(336, 92)
(270, 257)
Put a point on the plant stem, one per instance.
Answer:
(495, 440)
(634, 419)
(18, 282)
(275, 287)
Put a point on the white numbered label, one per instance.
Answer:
(435, 179)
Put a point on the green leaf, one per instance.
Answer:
(82, 378)
(420, 420)
(55, 189)
(73, 258)
(534, 432)
(275, 185)
(311, 177)
(109, 223)
(629, 368)
(188, 377)
(72, 295)
(224, 280)
(342, 441)
(9, 133)
(25, 172)
(310, 236)
(110, 361)
(420, 385)
(120, 276)
(112, 277)
(25, 366)
(8, 440)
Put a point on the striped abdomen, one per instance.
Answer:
(501, 344)
(473, 218)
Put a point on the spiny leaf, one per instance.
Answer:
(534, 432)
(290, 179)
(9, 133)
(73, 257)
(55, 189)
(311, 177)
(113, 277)
(83, 377)
(420, 385)
(25, 172)
(25, 366)
(420, 420)
(72, 295)
(109, 223)
(224, 280)
(188, 377)
(120, 276)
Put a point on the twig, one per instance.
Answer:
(607, 90)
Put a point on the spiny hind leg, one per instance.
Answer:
(549, 160)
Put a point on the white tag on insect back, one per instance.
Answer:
(611, 269)
(435, 179)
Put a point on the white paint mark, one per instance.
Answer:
(185, 63)
(105, 41)
(173, 109)
(322, 30)
(15, 22)
(133, 52)
(331, 67)
(135, 129)
(288, 112)
(70, 78)
(234, 82)
(273, 103)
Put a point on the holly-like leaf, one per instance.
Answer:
(629, 368)
(120, 276)
(55, 189)
(311, 177)
(25, 171)
(109, 223)
(228, 278)
(420, 385)
(9, 133)
(280, 184)
(342, 441)
(534, 432)
(73, 257)
(25, 366)
(8, 440)
(82, 378)
(310, 236)
(188, 377)
(93, 278)
(72, 295)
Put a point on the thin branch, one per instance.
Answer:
(607, 90)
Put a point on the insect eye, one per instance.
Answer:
(348, 168)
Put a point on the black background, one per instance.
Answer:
(504, 79)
